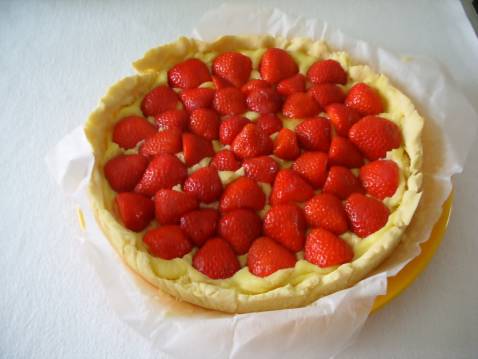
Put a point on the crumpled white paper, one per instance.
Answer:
(329, 325)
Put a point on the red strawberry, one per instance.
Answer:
(341, 182)
(220, 83)
(135, 210)
(234, 67)
(314, 134)
(342, 117)
(375, 136)
(167, 141)
(188, 74)
(290, 187)
(261, 169)
(242, 193)
(265, 100)
(200, 224)
(124, 171)
(326, 94)
(267, 256)
(251, 142)
(277, 65)
(167, 242)
(205, 122)
(269, 123)
(325, 249)
(327, 71)
(172, 205)
(286, 224)
(366, 214)
(286, 146)
(380, 178)
(229, 101)
(172, 119)
(300, 105)
(216, 259)
(291, 85)
(230, 127)
(254, 84)
(313, 167)
(195, 148)
(240, 227)
(204, 184)
(326, 211)
(197, 98)
(159, 99)
(164, 171)
(342, 152)
(225, 161)
(132, 129)
(364, 99)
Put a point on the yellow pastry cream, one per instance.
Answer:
(245, 292)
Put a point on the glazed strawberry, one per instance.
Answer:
(380, 178)
(300, 105)
(286, 224)
(164, 171)
(195, 148)
(375, 136)
(205, 122)
(167, 141)
(325, 249)
(265, 100)
(342, 117)
(204, 184)
(261, 169)
(366, 214)
(123, 172)
(291, 85)
(199, 225)
(234, 67)
(229, 101)
(167, 242)
(251, 142)
(342, 152)
(242, 193)
(254, 84)
(267, 256)
(277, 65)
(326, 94)
(325, 210)
(172, 119)
(313, 167)
(216, 259)
(220, 83)
(327, 71)
(240, 227)
(286, 145)
(268, 123)
(230, 127)
(160, 99)
(197, 98)
(131, 130)
(225, 161)
(342, 182)
(314, 134)
(364, 99)
(171, 205)
(188, 74)
(135, 210)
(290, 187)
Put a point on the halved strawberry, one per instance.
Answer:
(342, 182)
(276, 65)
(254, 84)
(197, 98)
(195, 148)
(200, 224)
(136, 211)
(172, 119)
(216, 259)
(286, 145)
(364, 99)
(300, 105)
(167, 242)
(188, 74)
(261, 169)
(314, 134)
(230, 127)
(229, 101)
(269, 123)
(204, 184)
(342, 117)
(225, 161)
(380, 178)
(325, 210)
(171, 205)
(366, 214)
(159, 99)
(325, 249)
(232, 66)
(326, 94)
(240, 227)
(342, 152)
(267, 256)
(205, 122)
(327, 71)
(167, 141)
(132, 129)
(291, 85)
(242, 193)
(290, 187)
(123, 172)
(265, 100)
(251, 142)
(313, 167)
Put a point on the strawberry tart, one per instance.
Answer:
(254, 173)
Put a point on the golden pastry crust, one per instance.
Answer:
(243, 292)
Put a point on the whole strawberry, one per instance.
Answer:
(342, 152)
(290, 187)
(159, 99)
(312, 166)
(167, 242)
(326, 94)
(195, 148)
(229, 101)
(269, 123)
(261, 169)
(342, 118)
(233, 67)
(267, 256)
(123, 172)
(327, 71)
(199, 225)
(136, 211)
(291, 85)
(205, 122)
(366, 214)
(132, 129)
(204, 184)
(325, 249)
(167, 141)
(230, 128)
(276, 65)
(188, 74)
(326, 211)
(240, 227)
(197, 98)
(242, 193)
(314, 134)
(300, 105)
(265, 100)
(216, 259)
(220, 83)
(364, 99)
(380, 178)
(286, 145)
(341, 182)
(251, 142)
(225, 161)
(254, 84)
(171, 205)
(172, 119)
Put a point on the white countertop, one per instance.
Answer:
(58, 58)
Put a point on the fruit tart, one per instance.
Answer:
(254, 173)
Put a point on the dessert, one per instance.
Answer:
(254, 173)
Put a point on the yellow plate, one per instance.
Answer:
(408, 274)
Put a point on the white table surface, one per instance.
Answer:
(58, 58)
